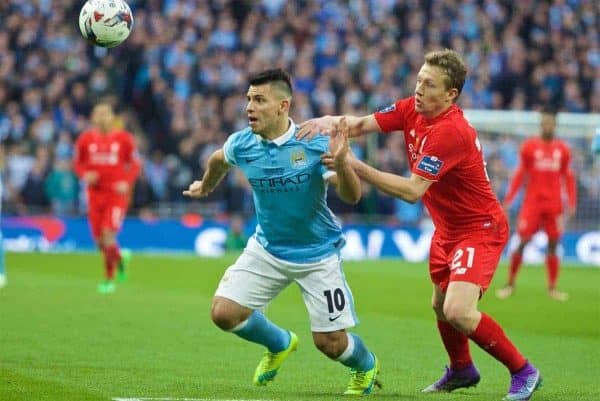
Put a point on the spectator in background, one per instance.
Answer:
(62, 188)
(236, 237)
(183, 67)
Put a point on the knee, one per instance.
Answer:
(332, 344)
(225, 317)
(458, 317)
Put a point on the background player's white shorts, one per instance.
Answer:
(257, 277)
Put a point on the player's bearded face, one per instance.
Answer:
(262, 109)
(431, 95)
(102, 117)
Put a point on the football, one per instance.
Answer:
(105, 23)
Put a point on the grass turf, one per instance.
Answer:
(60, 340)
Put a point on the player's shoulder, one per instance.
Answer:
(123, 134)
(319, 143)
(530, 144)
(86, 136)
(455, 129)
(242, 138)
(562, 144)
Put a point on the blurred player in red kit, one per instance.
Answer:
(471, 229)
(544, 171)
(106, 160)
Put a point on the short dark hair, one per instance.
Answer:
(277, 76)
(453, 66)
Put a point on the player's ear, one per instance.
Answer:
(453, 95)
(284, 105)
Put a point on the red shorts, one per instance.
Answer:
(530, 221)
(472, 257)
(106, 212)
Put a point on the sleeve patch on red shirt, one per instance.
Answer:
(388, 109)
(430, 165)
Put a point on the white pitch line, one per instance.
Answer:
(179, 399)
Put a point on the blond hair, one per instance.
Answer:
(453, 66)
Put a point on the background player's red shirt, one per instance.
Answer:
(446, 150)
(543, 167)
(112, 155)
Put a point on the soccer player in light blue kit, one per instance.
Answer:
(297, 238)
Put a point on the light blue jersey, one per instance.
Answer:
(289, 186)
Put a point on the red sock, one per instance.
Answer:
(552, 266)
(112, 256)
(515, 264)
(491, 338)
(457, 345)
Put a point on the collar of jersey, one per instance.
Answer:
(440, 117)
(280, 140)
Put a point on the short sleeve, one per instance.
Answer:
(394, 117)
(229, 149)
(525, 156)
(566, 162)
(441, 152)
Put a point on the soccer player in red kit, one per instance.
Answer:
(106, 160)
(471, 229)
(544, 170)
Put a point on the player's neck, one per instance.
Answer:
(281, 128)
(437, 113)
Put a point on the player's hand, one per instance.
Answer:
(339, 145)
(323, 125)
(90, 177)
(196, 190)
(122, 187)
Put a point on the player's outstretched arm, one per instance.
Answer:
(347, 183)
(513, 188)
(216, 168)
(408, 189)
(327, 124)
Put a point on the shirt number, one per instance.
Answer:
(457, 260)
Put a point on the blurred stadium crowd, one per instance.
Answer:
(179, 83)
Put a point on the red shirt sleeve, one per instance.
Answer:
(80, 156)
(439, 152)
(394, 117)
(519, 177)
(131, 159)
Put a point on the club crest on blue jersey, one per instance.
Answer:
(430, 165)
(298, 158)
(388, 109)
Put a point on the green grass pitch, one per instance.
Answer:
(60, 340)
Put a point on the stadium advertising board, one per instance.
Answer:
(207, 238)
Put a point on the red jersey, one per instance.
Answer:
(446, 150)
(544, 165)
(112, 155)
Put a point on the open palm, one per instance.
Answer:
(338, 142)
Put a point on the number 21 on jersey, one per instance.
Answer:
(459, 259)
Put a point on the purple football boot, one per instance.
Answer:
(453, 379)
(524, 383)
